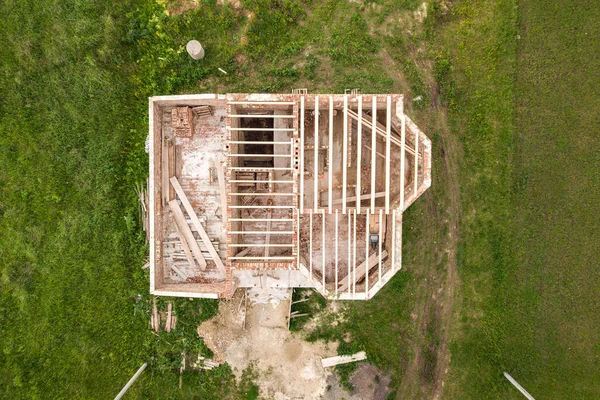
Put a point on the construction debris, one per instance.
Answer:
(202, 111)
(182, 120)
(253, 185)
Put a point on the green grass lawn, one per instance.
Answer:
(509, 94)
(529, 254)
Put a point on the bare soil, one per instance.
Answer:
(287, 367)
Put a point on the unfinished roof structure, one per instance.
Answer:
(280, 191)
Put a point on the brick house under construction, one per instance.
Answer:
(280, 191)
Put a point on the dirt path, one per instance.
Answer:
(425, 375)
(450, 153)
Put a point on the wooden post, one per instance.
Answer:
(301, 156)
(354, 242)
(349, 263)
(380, 241)
(373, 154)
(388, 144)
(310, 233)
(323, 247)
(416, 183)
(345, 156)
(330, 167)
(393, 240)
(367, 229)
(133, 379)
(336, 251)
(316, 157)
(359, 155)
(402, 161)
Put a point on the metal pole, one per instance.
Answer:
(519, 387)
(133, 378)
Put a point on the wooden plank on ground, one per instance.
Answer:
(196, 222)
(179, 272)
(172, 170)
(361, 270)
(186, 247)
(169, 317)
(186, 232)
(223, 192)
(155, 317)
(337, 360)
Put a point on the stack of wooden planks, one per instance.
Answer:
(188, 241)
(202, 111)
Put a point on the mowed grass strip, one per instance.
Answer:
(552, 339)
(526, 94)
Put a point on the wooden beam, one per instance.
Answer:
(333, 361)
(222, 192)
(380, 239)
(196, 222)
(373, 155)
(336, 250)
(310, 237)
(388, 146)
(130, 382)
(345, 156)
(378, 153)
(330, 166)
(402, 161)
(259, 181)
(380, 131)
(186, 248)
(169, 317)
(262, 129)
(261, 115)
(165, 172)
(179, 272)
(186, 232)
(393, 240)
(361, 270)
(352, 199)
(323, 248)
(268, 234)
(261, 169)
(261, 232)
(296, 246)
(264, 258)
(270, 194)
(250, 102)
(348, 252)
(260, 245)
(262, 219)
(172, 167)
(256, 142)
(301, 156)
(316, 157)
(368, 245)
(260, 155)
(354, 248)
(262, 207)
(359, 151)
(416, 183)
